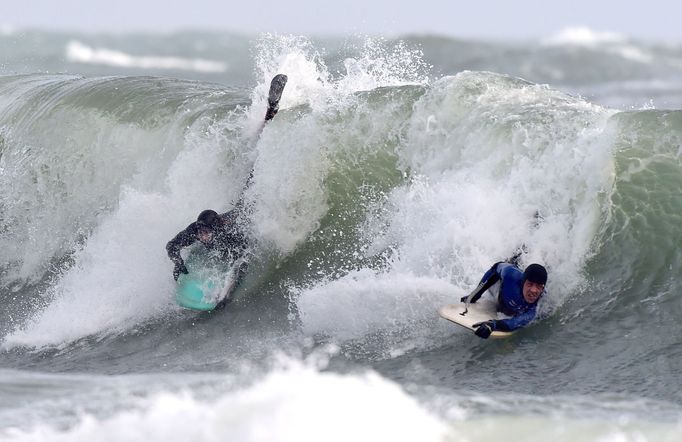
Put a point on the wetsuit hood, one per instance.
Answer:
(535, 273)
(208, 218)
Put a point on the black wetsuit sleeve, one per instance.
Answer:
(489, 279)
(183, 239)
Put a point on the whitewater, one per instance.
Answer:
(395, 173)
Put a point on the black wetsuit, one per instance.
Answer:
(229, 242)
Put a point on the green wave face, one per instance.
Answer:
(358, 199)
(638, 255)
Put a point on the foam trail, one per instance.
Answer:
(364, 301)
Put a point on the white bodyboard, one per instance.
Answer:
(483, 310)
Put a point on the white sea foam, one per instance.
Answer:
(298, 402)
(7, 29)
(584, 36)
(294, 404)
(78, 52)
(114, 283)
(610, 42)
(290, 200)
(365, 302)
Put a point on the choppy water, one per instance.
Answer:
(394, 175)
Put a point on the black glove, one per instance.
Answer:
(179, 268)
(464, 298)
(483, 329)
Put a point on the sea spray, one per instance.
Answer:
(497, 165)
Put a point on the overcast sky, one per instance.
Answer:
(519, 19)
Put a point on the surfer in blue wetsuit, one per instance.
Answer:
(518, 296)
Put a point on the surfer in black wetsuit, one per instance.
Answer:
(221, 232)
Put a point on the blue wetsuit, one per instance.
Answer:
(510, 300)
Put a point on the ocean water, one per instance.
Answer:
(396, 172)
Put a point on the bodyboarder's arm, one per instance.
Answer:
(489, 279)
(183, 239)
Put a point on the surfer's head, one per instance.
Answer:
(534, 280)
(207, 221)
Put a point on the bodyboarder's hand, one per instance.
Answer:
(484, 329)
(179, 268)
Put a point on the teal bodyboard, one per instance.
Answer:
(195, 293)
(206, 284)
